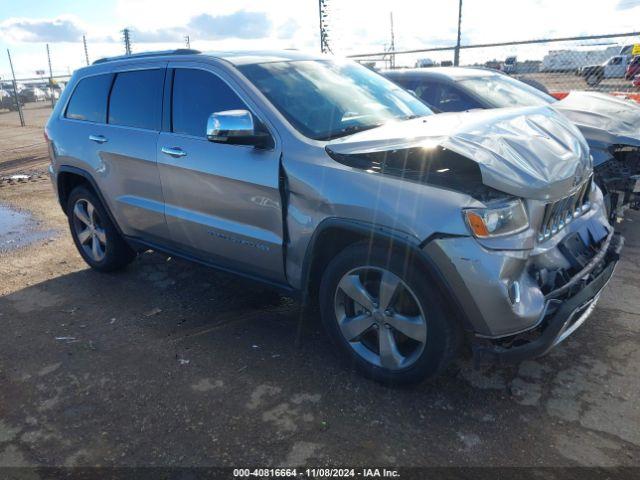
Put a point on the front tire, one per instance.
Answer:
(593, 79)
(386, 317)
(94, 234)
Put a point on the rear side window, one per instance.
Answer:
(89, 99)
(196, 95)
(136, 99)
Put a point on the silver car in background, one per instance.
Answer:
(611, 125)
(415, 233)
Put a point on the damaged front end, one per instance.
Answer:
(619, 178)
(536, 248)
(570, 295)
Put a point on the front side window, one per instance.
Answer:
(89, 99)
(328, 99)
(452, 99)
(196, 95)
(136, 99)
(443, 97)
(502, 91)
(425, 91)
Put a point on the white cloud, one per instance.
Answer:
(356, 25)
(60, 29)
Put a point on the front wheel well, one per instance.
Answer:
(67, 181)
(333, 239)
(328, 243)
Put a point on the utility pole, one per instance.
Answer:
(324, 30)
(86, 51)
(456, 55)
(126, 36)
(187, 41)
(15, 90)
(53, 100)
(392, 45)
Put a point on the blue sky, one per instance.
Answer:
(358, 25)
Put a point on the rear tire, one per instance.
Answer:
(94, 234)
(398, 331)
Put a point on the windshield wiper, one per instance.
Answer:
(350, 130)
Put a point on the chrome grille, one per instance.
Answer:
(559, 214)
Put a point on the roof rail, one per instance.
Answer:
(178, 51)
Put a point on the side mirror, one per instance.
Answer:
(236, 127)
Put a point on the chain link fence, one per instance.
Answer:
(29, 100)
(604, 63)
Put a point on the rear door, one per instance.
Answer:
(128, 151)
(222, 202)
(110, 128)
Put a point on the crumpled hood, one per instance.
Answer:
(603, 117)
(529, 152)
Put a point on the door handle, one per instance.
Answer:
(173, 151)
(97, 138)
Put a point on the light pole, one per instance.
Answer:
(456, 55)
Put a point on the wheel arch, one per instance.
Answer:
(69, 177)
(335, 234)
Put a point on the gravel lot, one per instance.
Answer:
(171, 364)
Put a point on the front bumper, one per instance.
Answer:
(567, 307)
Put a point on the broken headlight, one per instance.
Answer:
(504, 219)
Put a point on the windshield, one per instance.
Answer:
(503, 91)
(328, 99)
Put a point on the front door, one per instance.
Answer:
(222, 202)
(615, 67)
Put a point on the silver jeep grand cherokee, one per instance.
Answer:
(416, 233)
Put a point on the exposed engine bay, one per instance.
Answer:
(619, 179)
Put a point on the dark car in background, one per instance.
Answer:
(611, 125)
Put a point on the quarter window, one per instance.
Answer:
(89, 99)
(136, 99)
(196, 95)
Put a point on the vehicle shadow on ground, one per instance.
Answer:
(212, 355)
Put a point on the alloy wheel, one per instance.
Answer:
(380, 317)
(89, 230)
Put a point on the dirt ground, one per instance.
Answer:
(171, 364)
(23, 149)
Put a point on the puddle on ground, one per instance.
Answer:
(18, 229)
